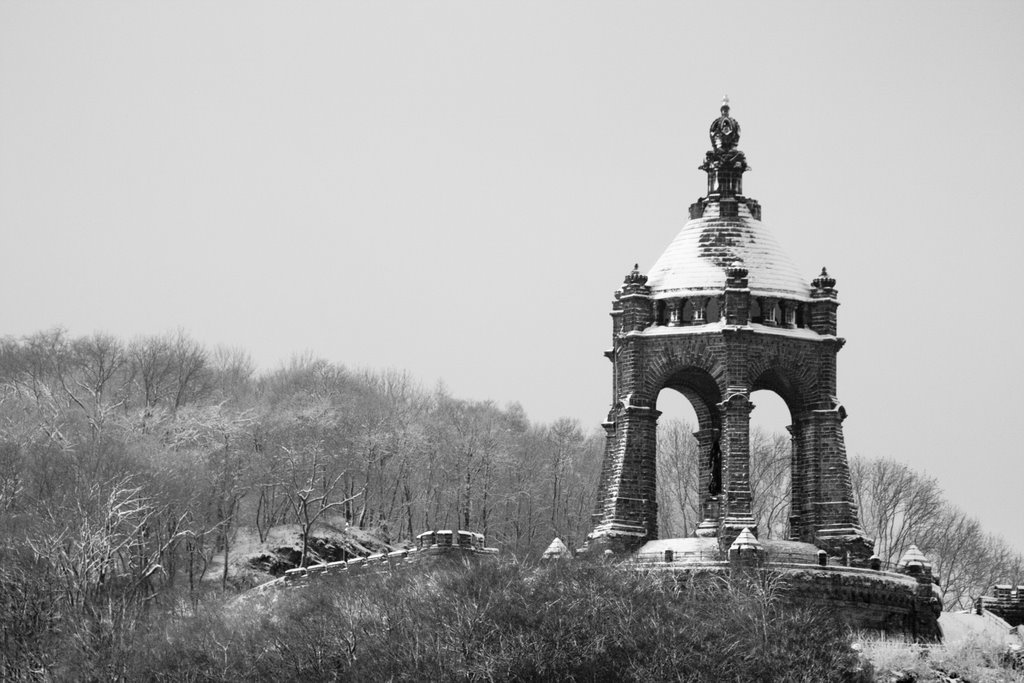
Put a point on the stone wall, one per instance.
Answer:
(1005, 601)
(431, 547)
(870, 600)
(904, 602)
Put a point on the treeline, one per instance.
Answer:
(203, 443)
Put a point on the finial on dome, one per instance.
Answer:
(824, 281)
(736, 271)
(635, 277)
(724, 163)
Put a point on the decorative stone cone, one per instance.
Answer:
(746, 541)
(556, 550)
(913, 555)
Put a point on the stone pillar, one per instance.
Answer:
(797, 483)
(823, 509)
(823, 308)
(737, 296)
(636, 302)
(626, 514)
(804, 476)
(737, 503)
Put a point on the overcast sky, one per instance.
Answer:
(456, 189)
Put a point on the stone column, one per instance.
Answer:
(737, 502)
(635, 302)
(736, 300)
(824, 307)
(797, 482)
(823, 507)
(804, 475)
(626, 514)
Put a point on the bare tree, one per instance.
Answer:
(897, 504)
(311, 492)
(170, 369)
(770, 465)
(103, 553)
(677, 466)
(232, 371)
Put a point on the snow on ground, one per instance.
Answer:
(985, 628)
(246, 547)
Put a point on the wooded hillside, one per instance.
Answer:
(126, 469)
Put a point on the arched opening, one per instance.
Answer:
(688, 428)
(771, 452)
(677, 454)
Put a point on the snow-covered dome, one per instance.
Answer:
(695, 262)
(725, 228)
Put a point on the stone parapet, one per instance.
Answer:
(431, 547)
(1005, 601)
(864, 599)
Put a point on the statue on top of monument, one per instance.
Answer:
(723, 162)
(725, 130)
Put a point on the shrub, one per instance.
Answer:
(980, 662)
(570, 621)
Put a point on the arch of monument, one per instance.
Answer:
(722, 313)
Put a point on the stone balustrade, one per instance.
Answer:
(431, 544)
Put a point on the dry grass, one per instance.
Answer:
(977, 661)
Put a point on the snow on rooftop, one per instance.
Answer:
(719, 325)
(695, 262)
(914, 554)
(746, 540)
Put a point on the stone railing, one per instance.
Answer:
(1005, 601)
(428, 544)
